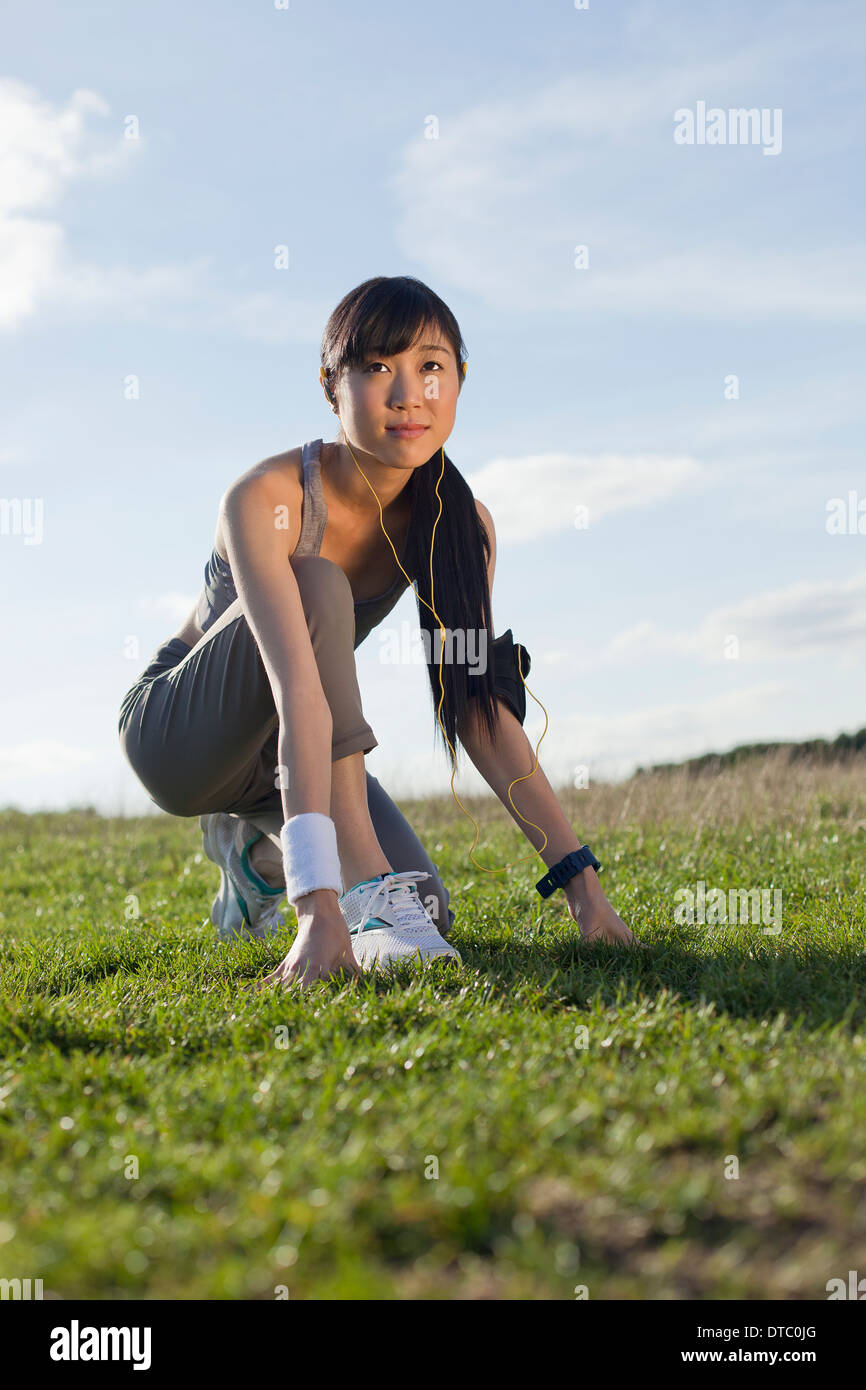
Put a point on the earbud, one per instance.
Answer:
(332, 400)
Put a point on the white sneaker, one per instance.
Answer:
(245, 906)
(387, 921)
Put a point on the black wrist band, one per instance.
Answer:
(559, 874)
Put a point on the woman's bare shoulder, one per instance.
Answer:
(286, 467)
(285, 473)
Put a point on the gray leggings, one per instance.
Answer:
(199, 727)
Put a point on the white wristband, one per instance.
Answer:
(310, 855)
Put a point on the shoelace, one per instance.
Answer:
(400, 894)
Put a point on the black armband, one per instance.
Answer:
(507, 685)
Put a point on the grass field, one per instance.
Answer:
(168, 1133)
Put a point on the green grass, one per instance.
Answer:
(286, 1140)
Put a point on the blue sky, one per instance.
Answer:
(602, 386)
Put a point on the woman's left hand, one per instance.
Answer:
(595, 917)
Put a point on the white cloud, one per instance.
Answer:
(810, 618)
(537, 494)
(497, 203)
(44, 150)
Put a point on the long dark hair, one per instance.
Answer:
(383, 317)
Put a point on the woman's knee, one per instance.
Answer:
(177, 806)
(326, 593)
(168, 793)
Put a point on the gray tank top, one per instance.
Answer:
(218, 590)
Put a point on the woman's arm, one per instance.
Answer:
(271, 602)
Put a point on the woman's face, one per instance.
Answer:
(419, 386)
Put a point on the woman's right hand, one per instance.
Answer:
(322, 948)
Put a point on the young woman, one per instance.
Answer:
(251, 716)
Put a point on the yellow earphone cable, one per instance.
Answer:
(442, 630)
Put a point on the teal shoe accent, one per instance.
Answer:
(251, 873)
(362, 884)
(373, 924)
(241, 904)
